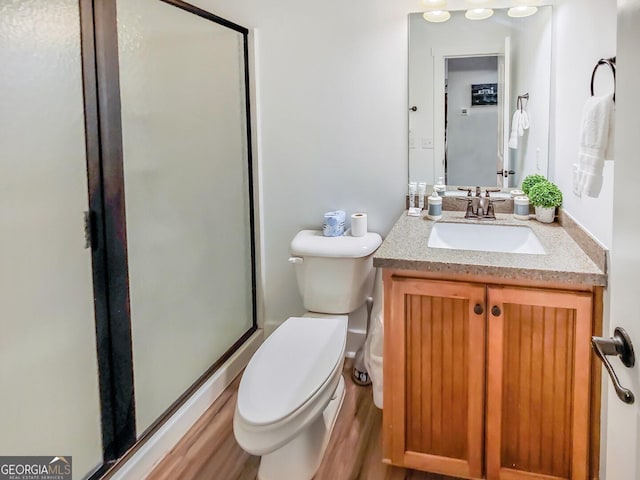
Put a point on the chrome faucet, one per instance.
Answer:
(483, 208)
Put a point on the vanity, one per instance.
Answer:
(488, 370)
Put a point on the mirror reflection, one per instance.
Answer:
(465, 80)
(472, 134)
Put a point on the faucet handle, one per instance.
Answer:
(469, 213)
(494, 200)
(466, 189)
(490, 210)
(487, 190)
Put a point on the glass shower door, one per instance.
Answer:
(50, 403)
(188, 212)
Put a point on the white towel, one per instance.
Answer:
(519, 123)
(596, 142)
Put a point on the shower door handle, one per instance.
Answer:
(620, 345)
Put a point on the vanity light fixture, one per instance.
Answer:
(478, 13)
(436, 16)
(521, 11)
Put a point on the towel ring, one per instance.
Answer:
(612, 64)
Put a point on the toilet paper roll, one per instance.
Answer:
(358, 224)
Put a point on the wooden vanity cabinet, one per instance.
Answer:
(538, 383)
(487, 381)
(434, 376)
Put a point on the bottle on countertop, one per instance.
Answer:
(434, 211)
(413, 193)
(521, 208)
(422, 191)
(440, 188)
(413, 190)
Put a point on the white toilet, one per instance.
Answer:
(292, 389)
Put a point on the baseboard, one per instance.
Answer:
(270, 326)
(142, 463)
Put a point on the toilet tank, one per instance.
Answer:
(335, 274)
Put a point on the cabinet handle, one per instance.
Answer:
(495, 311)
(478, 310)
(620, 345)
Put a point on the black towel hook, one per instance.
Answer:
(519, 103)
(612, 64)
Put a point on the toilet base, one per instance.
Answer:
(300, 458)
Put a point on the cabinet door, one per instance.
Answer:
(538, 383)
(434, 375)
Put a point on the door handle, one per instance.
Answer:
(620, 345)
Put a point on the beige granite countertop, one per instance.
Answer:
(405, 247)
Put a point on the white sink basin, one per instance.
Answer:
(485, 238)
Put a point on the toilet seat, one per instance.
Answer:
(290, 367)
(267, 418)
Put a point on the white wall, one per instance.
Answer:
(584, 32)
(332, 78)
(333, 113)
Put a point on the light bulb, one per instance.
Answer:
(478, 13)
(521, 11)
(436, 16)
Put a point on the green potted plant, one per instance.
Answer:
(545, 197)
(530, 180)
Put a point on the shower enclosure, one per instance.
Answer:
(137, 112)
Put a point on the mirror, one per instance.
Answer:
(465, 79)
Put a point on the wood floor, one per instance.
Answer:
(209, 450)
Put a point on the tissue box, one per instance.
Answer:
(333, 225)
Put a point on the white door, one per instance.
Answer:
(623, 421)
(504, 112)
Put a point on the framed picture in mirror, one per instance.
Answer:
(484, 94)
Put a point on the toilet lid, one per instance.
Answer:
(289, 367)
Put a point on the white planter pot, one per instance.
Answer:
(545, 214)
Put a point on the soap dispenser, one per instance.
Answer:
(440, 188)
(434, 211)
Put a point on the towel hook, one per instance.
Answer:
(519, 104)
(612, 64)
